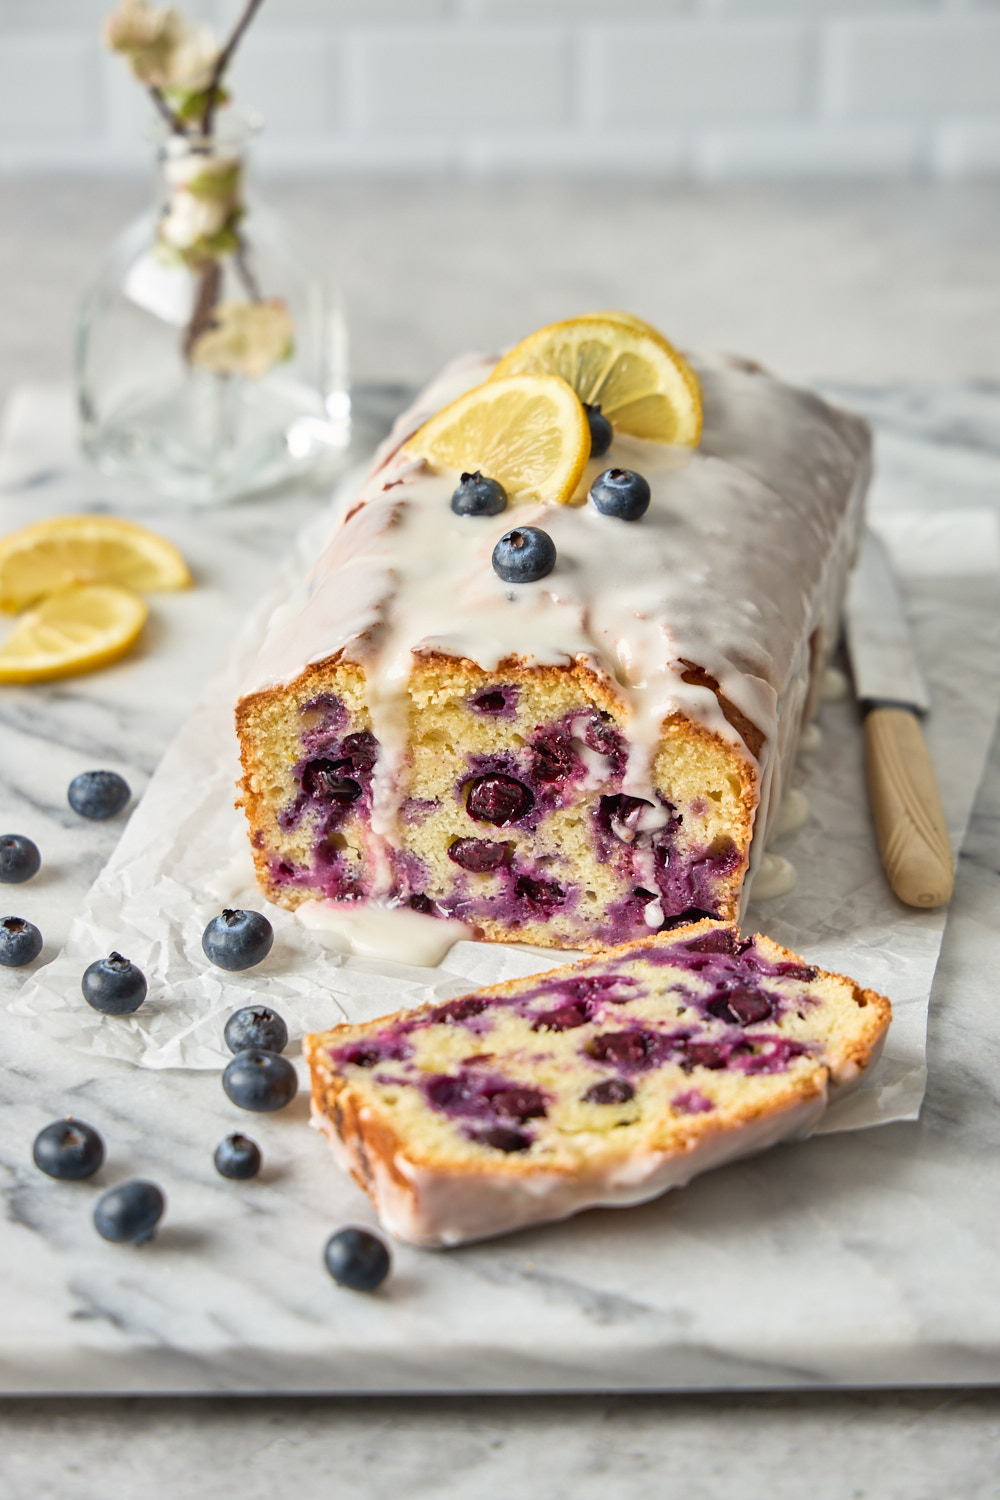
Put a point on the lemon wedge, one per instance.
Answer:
(66, 550)
(529, 432)
(614, 360)
(74, 630)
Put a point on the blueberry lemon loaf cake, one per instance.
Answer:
(604, 1082)
(551, 667)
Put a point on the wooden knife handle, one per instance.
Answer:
(909, 818)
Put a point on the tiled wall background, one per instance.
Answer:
(690, 88)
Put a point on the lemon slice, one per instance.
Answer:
(68, 550)
(72, 631)
(614, 360)
(529, 432)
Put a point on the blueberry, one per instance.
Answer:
(237, 939)
(237, 1157)
(524, 555)
(601, 431)
(260, 1080)
(481, 856)
(739, 1006)
(610, 1091)
(68, 1149)
(619, 492)
(520, 1104)
(114, 985)
(479, 496)
(20, 942)
(357, 1259)
(98, 794)
(19, 859)
(327, 781)
(256, 1026)
(130, 1212)
(498, 800)
(503, 1138)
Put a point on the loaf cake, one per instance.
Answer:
(604, 1082)
(573, 762)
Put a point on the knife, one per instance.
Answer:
(906, 805)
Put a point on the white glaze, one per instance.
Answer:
(792, 815)
(372, 929)
(773, 876)
(442, 1209)
(739, 560)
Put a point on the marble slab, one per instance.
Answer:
(856, 1259)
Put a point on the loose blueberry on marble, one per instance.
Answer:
(128, 1214)
(114, 985)
(260, 1080)
(524, 555)
(19, 859)
(601, 431)
(68, 1149)
(479, 496)
(357, 1259)
(237, 1157)
(620, 493)
(20, 942)
(98, 794)
(237, 939)
(256, 1026)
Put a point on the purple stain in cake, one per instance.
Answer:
(601, 735)
(519, 1103)
(290, 816)
(459, 1094)
(772, 1054)
(740, 1007)
(372, 1051)
(454, 1012)
(416, 810)
(465, 1095)
(327, 715)
(692, 1102)
(480, 856)
(499, 701)
(610, 1091)
(499, 800)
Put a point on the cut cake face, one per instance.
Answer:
(604, 1082)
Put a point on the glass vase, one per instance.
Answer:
(211, 361)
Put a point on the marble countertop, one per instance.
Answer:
(933, 1255)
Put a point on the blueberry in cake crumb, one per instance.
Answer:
(479, 496)
(256, 1026)
(237, 939)
(601, 431)
(524, 555)
(504, 1138)
(19, 859)
(114, 985)
(68, 1150)
(741, 1007)
(498, 800)
(20, 942)
(610, 1091)
(621, 493)
(479, 856)
(237, 1157)
(98, 794)
(128, 1214)
(259, 1080)
(357, 1259)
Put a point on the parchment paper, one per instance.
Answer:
(184, 855)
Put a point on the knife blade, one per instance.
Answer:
(906, 804)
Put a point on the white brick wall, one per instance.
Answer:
(682, 88)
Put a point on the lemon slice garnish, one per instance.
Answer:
(529, 432)
(72, 631)
(618, 362)
(69, 550)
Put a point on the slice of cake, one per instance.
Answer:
(604, 1082)
(578, 760)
